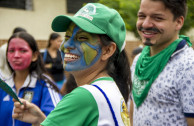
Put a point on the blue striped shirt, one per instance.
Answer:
(37, 92)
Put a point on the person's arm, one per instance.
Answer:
(77, 108)
(48, 65)
(63, 89)
(190, 121)
(28, 112)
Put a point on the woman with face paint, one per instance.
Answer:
(93, 52)
(28, 79)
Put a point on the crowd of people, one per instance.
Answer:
(102, 88)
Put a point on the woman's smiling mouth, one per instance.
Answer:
(70, 57)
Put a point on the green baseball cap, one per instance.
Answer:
(95, 18)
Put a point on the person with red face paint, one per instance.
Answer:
(163, 74)
(93, 52)
(5, 72)
(29, 80)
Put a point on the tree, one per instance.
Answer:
(189, 21)
(128, 10)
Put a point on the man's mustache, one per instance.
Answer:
(149, 29)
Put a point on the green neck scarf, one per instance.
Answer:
(148, 68)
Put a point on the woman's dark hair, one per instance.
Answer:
(118, 68)
(19, 29)
(36, 66)
(52, 36)
(70, 85)
(177, 7)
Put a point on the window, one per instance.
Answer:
(18, 4)
(74, 5)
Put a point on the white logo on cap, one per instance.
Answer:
(87, 11)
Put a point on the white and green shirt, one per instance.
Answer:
(87, 106)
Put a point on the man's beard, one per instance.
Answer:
(148, 42)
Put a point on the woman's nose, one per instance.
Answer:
(70, 44)
(16, 54)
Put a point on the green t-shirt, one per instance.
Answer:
(87, 106)
(77, 108)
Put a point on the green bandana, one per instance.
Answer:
(148, 68)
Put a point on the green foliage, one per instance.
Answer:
(189, 21)
(128, 10)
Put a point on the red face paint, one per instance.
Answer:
(19, 54)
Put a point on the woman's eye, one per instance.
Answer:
(23, 51)
(82, 38)
(10, 51)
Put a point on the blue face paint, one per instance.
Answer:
(80, 50)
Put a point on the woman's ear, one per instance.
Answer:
(108, 51)
(35, 56)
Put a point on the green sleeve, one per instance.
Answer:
(77, 108)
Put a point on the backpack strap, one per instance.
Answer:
(45, 55)
(109, 104)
